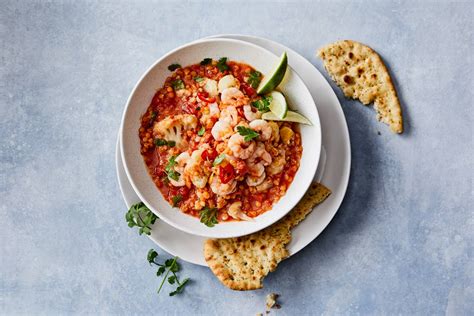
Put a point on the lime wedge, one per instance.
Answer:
(290, 117)
(271, 81)
(278, 104)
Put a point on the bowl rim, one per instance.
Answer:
(310, 168)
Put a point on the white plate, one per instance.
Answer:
(336, 164)
(295, 92)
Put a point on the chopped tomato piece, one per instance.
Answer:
(204, 96)
(209, 154)
(226, 173)
(248, 90)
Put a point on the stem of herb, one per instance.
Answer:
(166, 275)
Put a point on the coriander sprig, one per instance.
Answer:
(172, 174)
(169, 266)
(248, 133)
(141, 216)
(263, 105)
(208, 216)
(222, 64)
(254, 79)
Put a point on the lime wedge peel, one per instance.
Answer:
(278, 104)
(290, 117)
(270, 82)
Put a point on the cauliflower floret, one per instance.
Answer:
(171, 128)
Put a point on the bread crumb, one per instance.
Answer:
(271, 302)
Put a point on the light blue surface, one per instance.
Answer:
(402, 242)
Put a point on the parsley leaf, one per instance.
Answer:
(248, 133)
(206, 61)
(219, 159)
(176, 199)
(173, 67)
(208, 216)
(177, 84)
(222, 64)
(254, 79)
(202, 131)
(198, 79)
(172, 174)
(140, 215)
(263, 105)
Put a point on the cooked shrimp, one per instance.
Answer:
(235, 210)
(221, 130)
(265, 185)
(240, 148)
(278, 164)
(220, 188)
(254, 181)
(227, 82)
(250, 114)
(214, 109)
(233, 96)
(256, 169)
(260, 155)
(230, 115)
(181, 162)
(197, 172)
(263, 128)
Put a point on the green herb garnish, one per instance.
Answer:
(176, 199)
(177, 84)
(163, 142)
(222, 64)
(218, 159)
(141, 216)
(206, 61)
(198, 79)
(254, 79)
(263, 105)
(172, 174)
(208, 216)
(173, 67)
(202, 131)
(248, 133)
(169, 266)
(153, 115)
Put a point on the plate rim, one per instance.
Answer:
(343, 182)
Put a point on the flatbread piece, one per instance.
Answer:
(361, 74)
(241, 263)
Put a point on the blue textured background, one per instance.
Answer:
(402, 241)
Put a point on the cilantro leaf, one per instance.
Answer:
(263, 105)
(198, 79)
(206, 61)
(180, 288)
(173, 67)
(172, 174)
(254, 79)
(248, 133)
(202, 131)
(177, 84)
(208, 216)
(176, 199)
(163, 142)
(141, 216)
(222, 64)
(218, 159)
(152, 254)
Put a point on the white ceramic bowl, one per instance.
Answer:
(298, 96)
